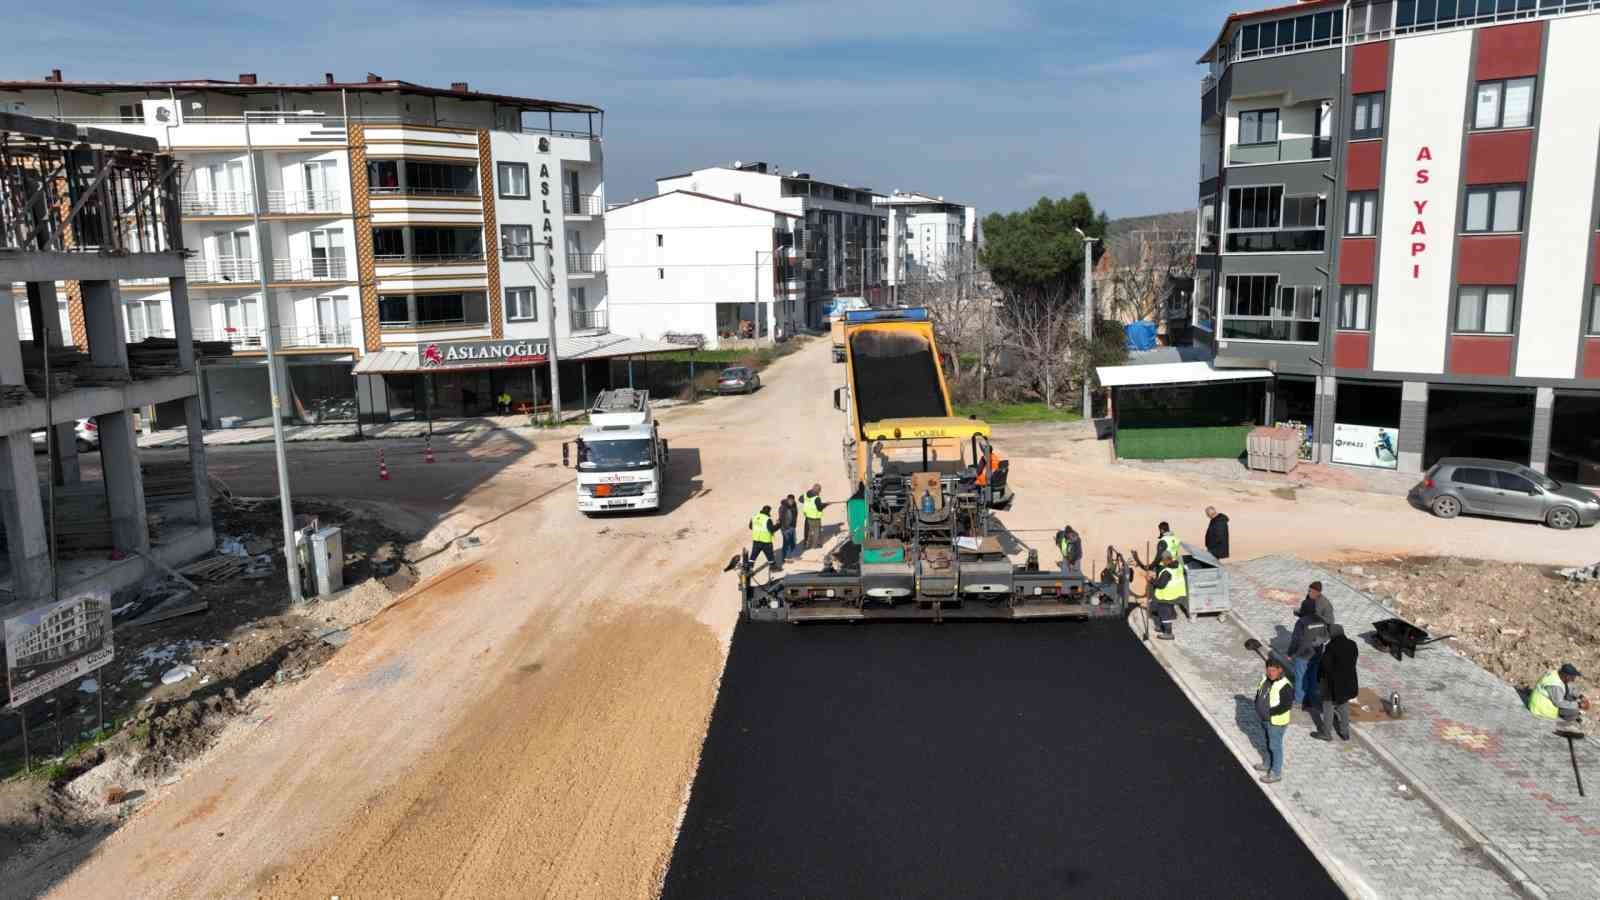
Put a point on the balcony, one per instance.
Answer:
(221, 270)
(585, 264)
(304, 202)
(1287, 150)
(430, 259)
(334, 268)
(414, 191)
(217, 203)
(582, 205)
(589, 320)
(251, 338)
(1282, 241)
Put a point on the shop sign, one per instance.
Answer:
(1366, 445)
(56, 644)
(452, 354)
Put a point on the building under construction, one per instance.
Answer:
(81, 211)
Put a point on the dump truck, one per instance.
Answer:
(621, 456)
(924, 540)
(836, 313)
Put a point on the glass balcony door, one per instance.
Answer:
(319, 182)
(327, 253)
(333, 320)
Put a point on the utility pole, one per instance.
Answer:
(550, 353)
(291, 553)
(1088, 320)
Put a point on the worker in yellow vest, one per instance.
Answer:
(1168, 588)
(761, 538)
(1166, 540)
(1556, 696)
(1274, 703)
(811, 507)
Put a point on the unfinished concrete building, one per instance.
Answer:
(81, 210)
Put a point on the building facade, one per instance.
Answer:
(1399, 214)
(694, 267)
(352, 219)
(840, 235)
(929, 237)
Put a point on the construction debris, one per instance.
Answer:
(167, 480)
(215, 569)
(13, 394)
(169, 611)
(1581, 573)
(101, 376)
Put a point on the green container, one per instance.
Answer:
(886, 555)
(855, 511)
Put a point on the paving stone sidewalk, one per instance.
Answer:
(1465, 740)
(456, 429)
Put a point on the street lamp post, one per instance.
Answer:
(550, 351)
(1088, 319)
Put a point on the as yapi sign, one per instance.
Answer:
(448, 354)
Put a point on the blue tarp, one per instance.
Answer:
(1141, 335)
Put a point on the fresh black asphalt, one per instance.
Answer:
(972, 760)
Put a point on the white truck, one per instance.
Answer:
(621, 458)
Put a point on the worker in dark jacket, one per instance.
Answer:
(1217, 533)
(1305, 646)
(1338, 683)
(788, 516)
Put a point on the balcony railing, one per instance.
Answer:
(221, 270)
(589, 320)
(337, 120)
(1286, 150)
(336, 268)
(1283, 241)
(585, 263)
(582, 205)
(217, 203)
(415, 191)
(304, 202)
(250, 338)
(393, 259)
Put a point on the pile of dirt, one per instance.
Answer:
(1517, 621)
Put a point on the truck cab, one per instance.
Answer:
(620, 458)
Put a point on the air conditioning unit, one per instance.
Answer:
(162, 112)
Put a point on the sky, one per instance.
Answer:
(992, 103)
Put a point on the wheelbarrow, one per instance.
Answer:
(1401, 637)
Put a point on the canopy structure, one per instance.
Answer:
(571, 349)
(1178, 373)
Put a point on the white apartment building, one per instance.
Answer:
(839, 237)
(363, 223)
(927, 235)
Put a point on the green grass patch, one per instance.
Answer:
(1014, 413)
(1224, 442)
(757, 358)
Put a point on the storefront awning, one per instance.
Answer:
(1164, 374)
(569, 349)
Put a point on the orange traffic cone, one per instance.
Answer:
(383, 468)
(427, 451)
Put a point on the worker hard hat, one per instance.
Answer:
(1570, 670)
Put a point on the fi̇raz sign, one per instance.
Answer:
(457, 354)
(1366, 445)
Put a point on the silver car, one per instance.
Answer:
(1494, 487)
(738, 380)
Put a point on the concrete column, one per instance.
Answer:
(102, 319)
(45, 314)
(27, 541)
(1268, 403)
(1322, 421)
(1413, 425)
(119, 448)
(1544, 404)
(183, 327)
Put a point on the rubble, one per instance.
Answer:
(1581, 573)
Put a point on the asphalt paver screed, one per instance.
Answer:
(972, 760)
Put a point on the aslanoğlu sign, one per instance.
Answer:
(453, 354)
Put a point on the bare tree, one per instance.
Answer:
(958, 296)
(1039, 329)
(1142, 272)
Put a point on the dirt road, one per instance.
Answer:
(527, 723)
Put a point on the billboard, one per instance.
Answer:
(1366, 445)
(456, 354)
(55, 644)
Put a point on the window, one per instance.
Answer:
(521, 305)
(383, 176)
(394, 310)
(1474, 477)
(1491, 209)
(1484, 310)
(516, 241)
(437, 178)
(1504, 104)
(1255, 207)
(1258, 127)
(1515, 483)
(389, 243)
(659, 241)
(1368, 116)
(660, 274)
(1355, 309)
(333, 320)
(1594, 313)
(1256, 307)
(1361, 214)
(514, 180)
(577, 298)
(145, 319)
(1305, 211)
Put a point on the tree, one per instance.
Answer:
(1143, 267)
(1036, 258)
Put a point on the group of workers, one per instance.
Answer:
(764, 529)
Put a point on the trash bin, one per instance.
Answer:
(1207, 581)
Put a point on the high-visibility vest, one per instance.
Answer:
(811, 506)
(1539, 702)
(761, 528)
(1064, 544)
(1274, 692)
(1173, 545)
(1176, 588)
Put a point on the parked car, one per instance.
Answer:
(1493, 487)
(88, 436)
(738, 380)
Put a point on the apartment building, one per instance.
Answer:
(362, 223)
(928, 236)
(1399, 215)
(839, 234)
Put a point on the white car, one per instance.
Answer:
(87, 433)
